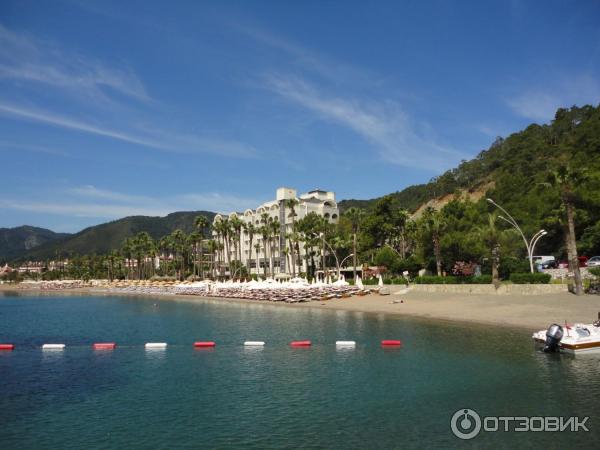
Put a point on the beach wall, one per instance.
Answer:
(503, 289)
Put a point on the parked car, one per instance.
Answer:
(547, 262)
(594, 261)
(583, 262)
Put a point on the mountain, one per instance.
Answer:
(17, 241)
(103, 238)
(511, 167)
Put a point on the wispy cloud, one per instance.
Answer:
(30, 60)
(541, 102)
(165, 142)
(92, 202)
(308, 59)
(32, 148)
(27, 59)
(397, 138)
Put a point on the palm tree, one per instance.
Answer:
(265, 231)
(127, 251)
(565, 180)
(179, 240)
(291, 204)
(195, 237)
(223, 230)
(212, 247)
(257, 248)
(236, 228)
(201, 223)
(275, 230)
(355, 216)
(491, 237)
(435, 225)
(250, 230)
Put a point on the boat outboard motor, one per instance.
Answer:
(553, 336)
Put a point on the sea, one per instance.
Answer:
(276, 396)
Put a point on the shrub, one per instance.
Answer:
(483, 279)
(594, 271)
(509, 265)
(412, 264)
(387, 258)
(530, 278)
(395, 280)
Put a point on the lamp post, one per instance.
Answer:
(530, 245)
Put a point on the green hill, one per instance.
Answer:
(101, 239)
(514, 164)
(16, 241)
(514, 171)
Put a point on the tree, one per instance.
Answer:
(435, 225)
(356, 217)
(236, 228)
(491, 236)
(201, 224)
(250, 230)
(565, 180)
(265, 231)
(291, 204)
(275, 230)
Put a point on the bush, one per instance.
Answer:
(396, 280)
(412, 264)
(483, 279)
(387, 258)
(530, 278)
(594, 271)
(509, 265)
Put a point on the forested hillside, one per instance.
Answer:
(518, 168)
(16, 241)
(101, 239)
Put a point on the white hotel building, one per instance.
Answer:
(320, 202)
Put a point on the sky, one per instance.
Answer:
(113, 108)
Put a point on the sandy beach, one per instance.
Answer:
(531, 312)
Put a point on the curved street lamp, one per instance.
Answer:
(530, 245)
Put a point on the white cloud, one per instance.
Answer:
(32, 148)
(25, 58)
(398, 140)
(541, 102)
(64, 208)
(165, 142)
(92, 202)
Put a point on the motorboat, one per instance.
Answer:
(573, 339)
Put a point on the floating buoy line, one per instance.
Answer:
(203, 344)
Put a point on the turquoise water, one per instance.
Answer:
(275, 397)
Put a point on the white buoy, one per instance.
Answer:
(345, 343)
(53, 347)
(156, 345)
(254, 343)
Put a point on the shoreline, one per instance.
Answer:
(525, 312)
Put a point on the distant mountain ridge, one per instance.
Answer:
(98, 239)
(19, 240)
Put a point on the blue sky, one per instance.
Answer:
(110, 109)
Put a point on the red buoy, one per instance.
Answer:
(204, 344)
(300, 343)
(104, 346)
(387, 342)
(7, 346)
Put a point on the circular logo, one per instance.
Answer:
(465, 424)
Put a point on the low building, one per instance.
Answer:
(320, 202)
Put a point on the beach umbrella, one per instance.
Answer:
(359, 283)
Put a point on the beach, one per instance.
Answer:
(531, 312)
